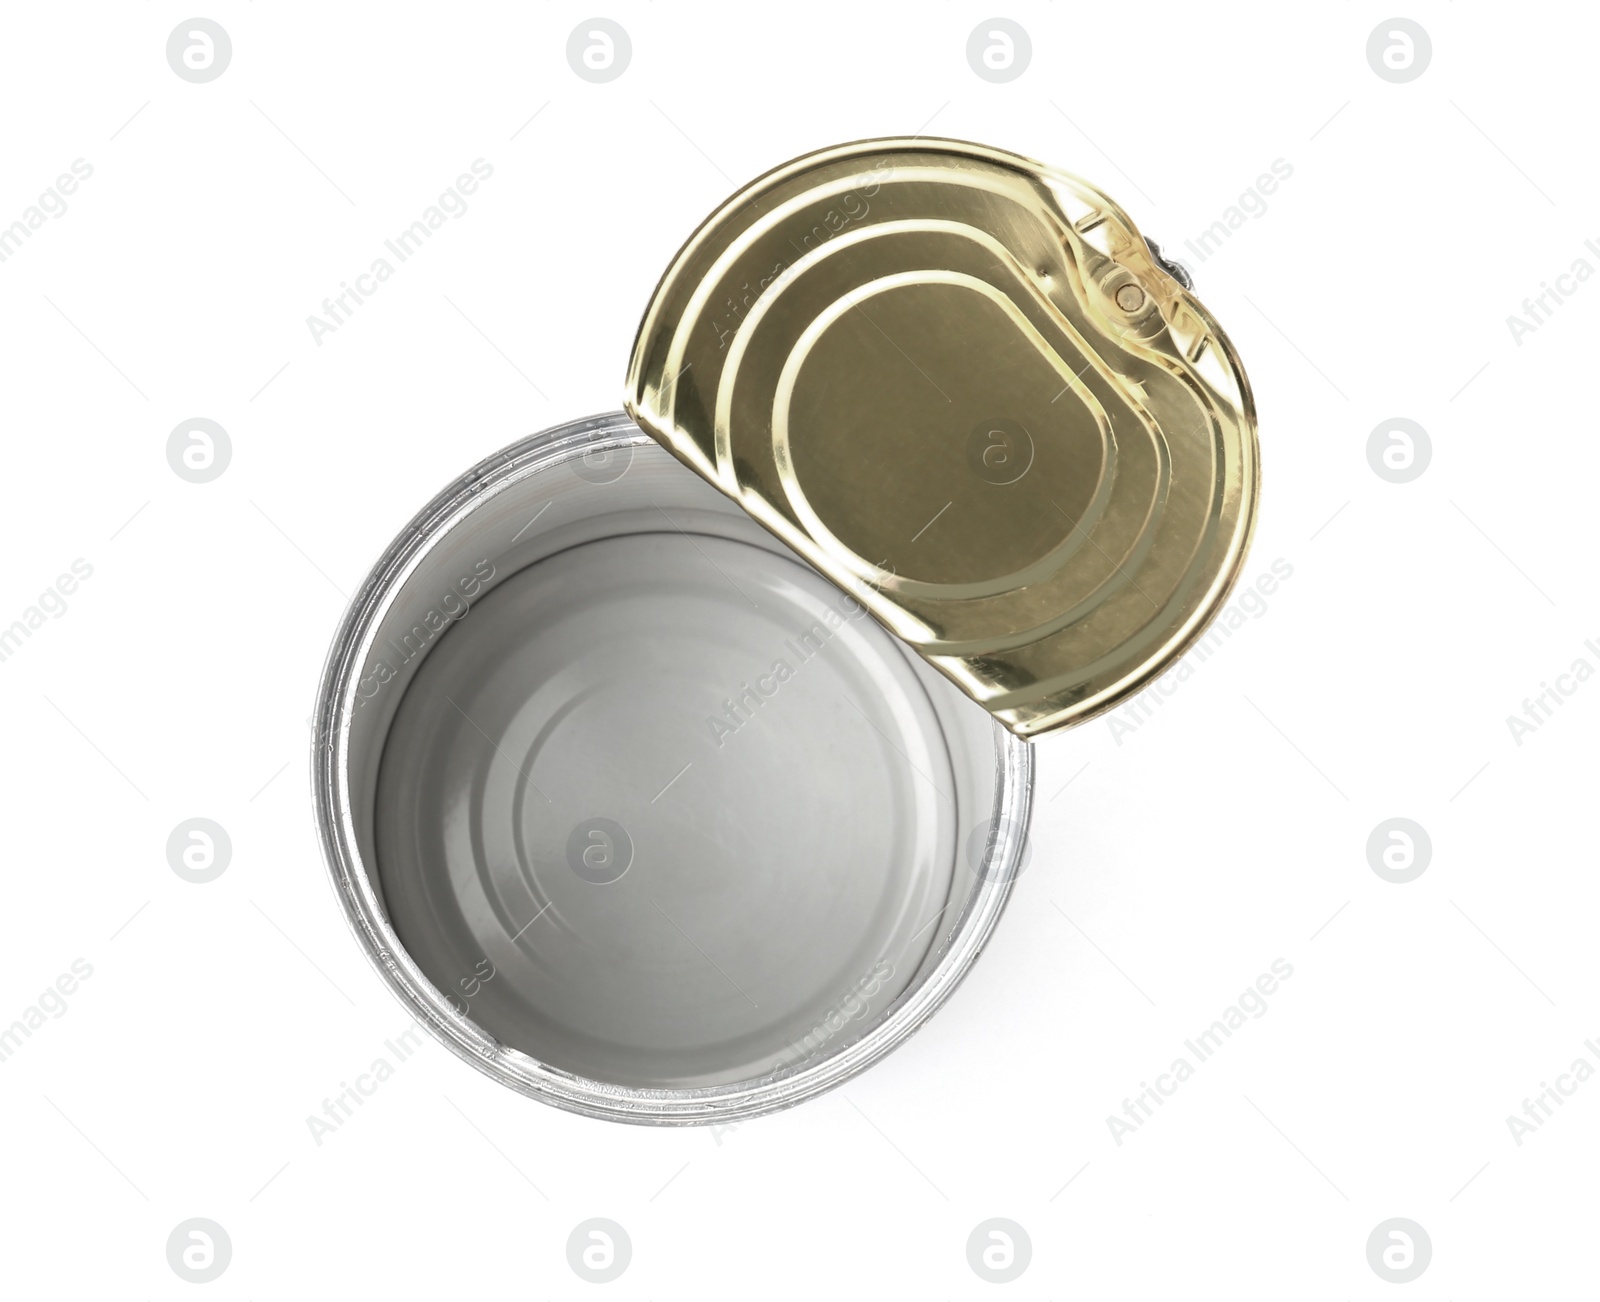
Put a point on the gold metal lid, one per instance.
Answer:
(964, 387)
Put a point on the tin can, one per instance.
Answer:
(638, 813)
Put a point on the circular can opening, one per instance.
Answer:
(637, 812)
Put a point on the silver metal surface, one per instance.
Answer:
(594, 837)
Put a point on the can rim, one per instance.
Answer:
(364, 912)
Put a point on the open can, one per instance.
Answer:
(668, 766)
(638, 813)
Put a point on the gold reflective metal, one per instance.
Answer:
(962, 386)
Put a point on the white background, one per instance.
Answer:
(1172, 864)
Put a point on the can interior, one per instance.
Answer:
(647, 799)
